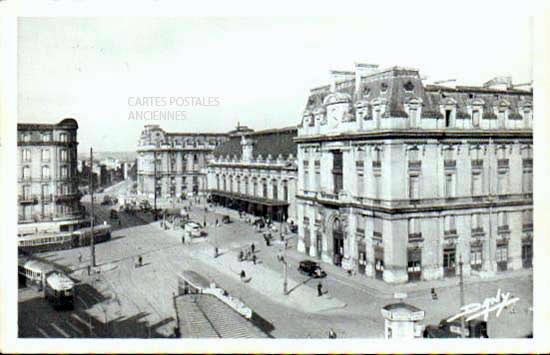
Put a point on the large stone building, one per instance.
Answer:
(255, 172)
(48, 196)
(401, 181)
(180, 160)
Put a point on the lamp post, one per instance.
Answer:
(460, 263)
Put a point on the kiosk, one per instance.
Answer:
(402, 321)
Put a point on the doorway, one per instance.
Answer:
(449, 262)
(338, 242)
(414, 264)
(379, 263)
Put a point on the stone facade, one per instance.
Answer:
(241, 177)
(48, 196)
(180, 158)
(400, 181)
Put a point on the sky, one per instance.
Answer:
(256, 71)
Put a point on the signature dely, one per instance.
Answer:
(490, 304)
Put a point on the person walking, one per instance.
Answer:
(79, 257)
(254, 258)
(331, 334)
(319, 290)
(253, 248)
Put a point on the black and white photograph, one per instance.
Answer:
(302, 178)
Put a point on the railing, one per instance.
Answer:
(67, 197)
(527, 227)
(27, 199)
(415, 165)
(450, 233)
(527, 163)
(449, 164)
(415, 237)
(376, 164)
(329, 195)
(377, 235)
(503, 229)
(477, 231)
(503, 163)
(477, 164)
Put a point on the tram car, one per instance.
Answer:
(65, 240)
(33, 272)
(59, 290)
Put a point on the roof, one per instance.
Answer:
(59, 281)
(205, 316)
(67, 123)
(399, 85)
(271, 141)
(195, 279)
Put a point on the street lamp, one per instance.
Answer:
(460, 263)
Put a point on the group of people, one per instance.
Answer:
(248, 254)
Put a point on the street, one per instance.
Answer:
(125, 301)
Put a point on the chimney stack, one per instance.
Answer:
(363, 69)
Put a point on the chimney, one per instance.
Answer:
(337, 76)
(363, 69)
(247, 145)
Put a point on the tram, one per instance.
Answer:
(59, 290)
(64, 240)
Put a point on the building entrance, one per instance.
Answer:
(414, 264)
(449, 262)
(379, 263)
(338, 242)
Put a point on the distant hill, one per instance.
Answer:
(124, 156)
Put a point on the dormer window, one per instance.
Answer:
(383, 88)
(409, 86)
(476, 115)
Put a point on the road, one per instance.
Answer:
(137, 302)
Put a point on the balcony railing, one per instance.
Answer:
(415, 237)
(450, 233)
(527, 163)
(377, 235)
(415, 165)
(376, 164)
(67, 197)
(27, 199)
(330, 196)
(477, 231)
(503, 229)
(477, 164)
(503, 163)
(449, 164)
(527, 227)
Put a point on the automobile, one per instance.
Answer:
(226, 219)
(259, 222)
(311, 269)
(473, 328)
(194, 229)
(114, 214)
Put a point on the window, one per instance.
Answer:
(306, 175)
(264, 188)
(377, 186)
(27, 137)
(527, 220)
(476, 184)
(275, 190)
(45, 172)
(449, 185)
(64, 172)
(238, 185)
(413, 187)
(413, 114)
(377, 158)
(217, 182)
(502, 253)
(377, 229)
(502, 183)
(26, 155)
(63, 137)
(477, 226)
(254, 187)
(317, 175)
(414, 229)
(224, 183)
(63, 154)
(360, 178)
(246, 185)
(26, 192)
(337, 171)
(45, 154)
(476, 114)
(476, 257)
(45, 191)
(450, 225)
(285, 190)
(45, 137)
(448, 118)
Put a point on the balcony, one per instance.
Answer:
(376, 164)
(415, 165)
(67, 197)
(478, 231)
(477, 164)
(27, 199)
(527, 163)
(503, 163)
(449, 164)
(503, 229)
(415, 237)
(377, 235)
(527, 227)
(450, 233)
(329, 196)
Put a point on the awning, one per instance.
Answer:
(248, 198)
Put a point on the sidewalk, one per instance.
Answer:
(262, 279)
(379, 288)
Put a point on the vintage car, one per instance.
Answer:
(311, 269)
(472, 329)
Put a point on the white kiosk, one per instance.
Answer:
(402, 321)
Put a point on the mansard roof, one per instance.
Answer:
(270, 141)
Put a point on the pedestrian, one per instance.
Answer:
(252, 247)
(254, 258)
(216, 252)
(241, 255)
(319, 290)
(183, 239)
(331, 334)
(140, 261)
(243, 275)
(286, 244)
(217, 223)
(89, 270)
(79, 257)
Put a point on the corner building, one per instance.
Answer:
(180, 161)
(48, 196)
(401, 181)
